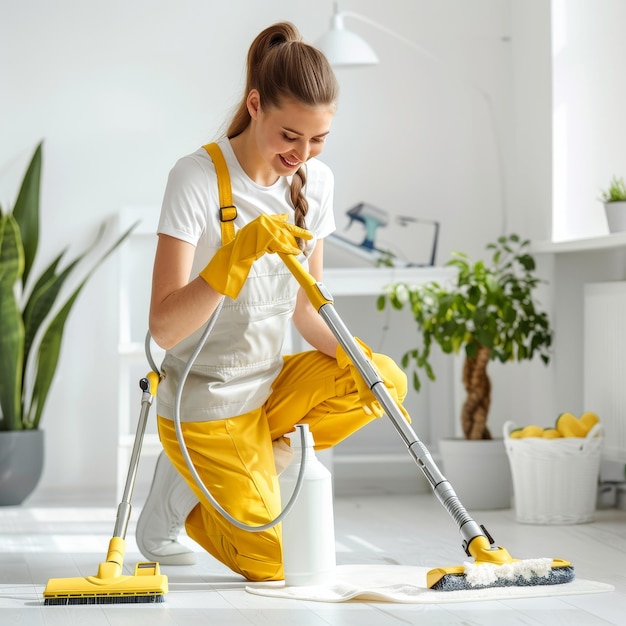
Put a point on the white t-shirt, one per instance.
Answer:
(190, 208)
(234, 372)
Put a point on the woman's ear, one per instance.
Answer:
(253, 102)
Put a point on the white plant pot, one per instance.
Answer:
(478, 471)
(616, 216)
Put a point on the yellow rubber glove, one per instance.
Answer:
(371, 406)
(227, 271)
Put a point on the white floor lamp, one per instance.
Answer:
(344, 48)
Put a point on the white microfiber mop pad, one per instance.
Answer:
(407, 584)
(484, 574)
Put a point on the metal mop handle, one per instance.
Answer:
(148, 386)
(322, 300)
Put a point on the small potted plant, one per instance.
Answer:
(33, 313)
(614, 200)
(488, 311)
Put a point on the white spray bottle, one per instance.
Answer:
(309, 528)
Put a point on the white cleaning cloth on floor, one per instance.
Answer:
(407, 584)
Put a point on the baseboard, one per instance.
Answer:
(353, 474)
(375, 474)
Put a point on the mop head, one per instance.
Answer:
(494, 567)
(109, 586)
(529, 572)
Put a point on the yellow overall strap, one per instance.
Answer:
(228, 211)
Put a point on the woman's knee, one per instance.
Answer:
(258, 561)
(392, 374)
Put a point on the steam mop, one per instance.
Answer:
(493, 566)
(110, 585)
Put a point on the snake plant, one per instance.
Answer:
(33, 310)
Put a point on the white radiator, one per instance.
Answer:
(605, 362)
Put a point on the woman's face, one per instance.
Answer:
(289, 135)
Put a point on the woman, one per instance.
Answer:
(242, 395)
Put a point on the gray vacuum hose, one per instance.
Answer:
(183, 448)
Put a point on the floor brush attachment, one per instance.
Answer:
(109, 585)
(494, 567)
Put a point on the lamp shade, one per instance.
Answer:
(345, 48)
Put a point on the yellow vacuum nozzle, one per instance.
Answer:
(109, 586)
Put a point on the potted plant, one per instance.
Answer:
(33, 312)
(487, 311)
(614, 200)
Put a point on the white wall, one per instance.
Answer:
(413, 134)
(119, 90)
(589, 49)
(528, 386)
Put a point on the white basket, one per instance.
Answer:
(555, 481)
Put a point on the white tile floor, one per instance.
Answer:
(39, 541)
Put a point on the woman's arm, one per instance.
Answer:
(306, 319)
(177, 307)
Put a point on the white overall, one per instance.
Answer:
(242, 356)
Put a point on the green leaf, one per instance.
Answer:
(527, 262)
(12, 335)
(429, 371)
(417, 385)
(26, 211)
(39, 304)
(47, 360)
(492, 284)
(484, 338)
(471, 350)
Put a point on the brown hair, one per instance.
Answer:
(281, 66)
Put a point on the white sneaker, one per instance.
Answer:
(163, 516)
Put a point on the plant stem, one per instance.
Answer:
(478, 388)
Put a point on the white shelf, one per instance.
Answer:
(131, 349)
(603, 242)
(364, 281)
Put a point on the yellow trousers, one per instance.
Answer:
(235, 459)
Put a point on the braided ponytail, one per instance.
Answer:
(299, 201)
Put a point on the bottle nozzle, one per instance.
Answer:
(295, 437)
